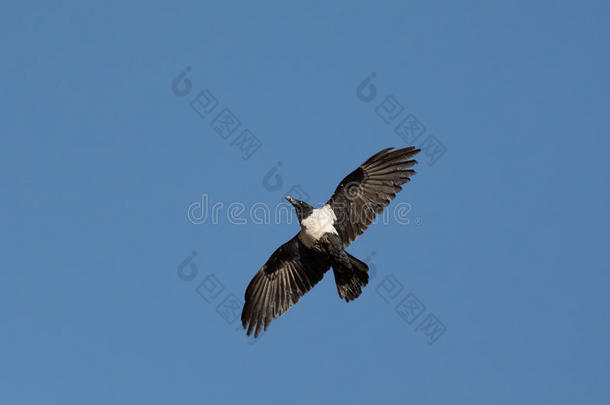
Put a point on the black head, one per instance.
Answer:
(301, 207)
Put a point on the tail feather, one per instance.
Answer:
(351, 280)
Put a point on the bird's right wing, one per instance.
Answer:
(291, 271)
(368, 189)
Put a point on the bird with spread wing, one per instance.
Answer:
(296, 266)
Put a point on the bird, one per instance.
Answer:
(299, 264)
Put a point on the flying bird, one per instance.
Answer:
(296, 266)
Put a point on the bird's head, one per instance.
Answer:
(301, 207)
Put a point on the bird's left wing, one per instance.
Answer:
(291, 271)
(369, 189)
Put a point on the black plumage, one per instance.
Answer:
(291, 271)
(369, 189)
(296, 266)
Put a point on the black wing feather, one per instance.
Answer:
(291, 271)
(369, 189)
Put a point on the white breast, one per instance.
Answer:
(319, 222)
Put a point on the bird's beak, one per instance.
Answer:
(289, 199)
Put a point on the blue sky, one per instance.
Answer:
(102, 153)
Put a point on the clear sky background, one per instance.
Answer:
(101, 154)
